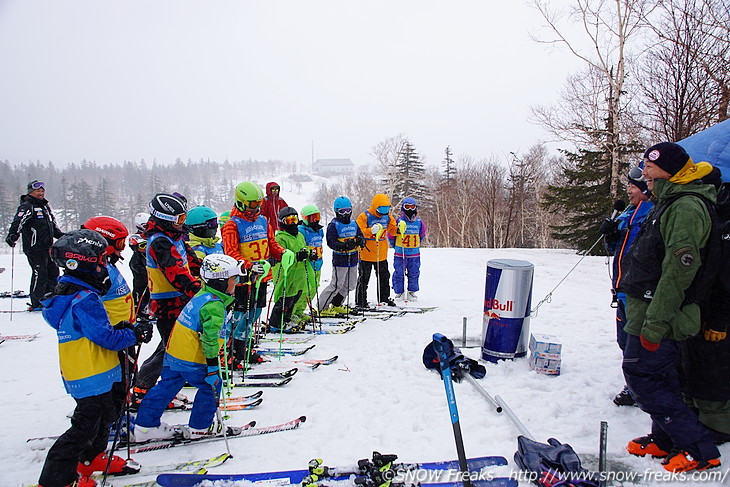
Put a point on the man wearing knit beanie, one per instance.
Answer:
(662, 310)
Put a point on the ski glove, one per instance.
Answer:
(609, 227)
(302, 254)
(257, 268)
(143, 330)
(715, 336)
(313, 255)
(402, 227)
(10, 240)
(376, 229)
(212, 376)
(351, 244)
(360, 241)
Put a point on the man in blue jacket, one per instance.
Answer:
(619, 234)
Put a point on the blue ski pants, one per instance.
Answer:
(171, 381)
(406, 266)
(653, 380)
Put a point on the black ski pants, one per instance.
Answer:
(44, 274)
(83, 441)
(150, 370)
(382, 273)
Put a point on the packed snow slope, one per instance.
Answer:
(378, 395)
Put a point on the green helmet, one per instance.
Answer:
(247, 191)
(223, 218)
(309, 210)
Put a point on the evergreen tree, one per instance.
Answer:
(583, 197)
(410, 176)
(449, 168)
(104, 200)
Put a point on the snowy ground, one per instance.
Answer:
(378, 396)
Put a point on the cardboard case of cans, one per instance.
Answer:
(545, 353)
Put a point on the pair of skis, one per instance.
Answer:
(340, 475)
(26, 338)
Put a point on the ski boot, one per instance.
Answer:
(684, 462)
(117, 466)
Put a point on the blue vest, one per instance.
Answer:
(314, 240)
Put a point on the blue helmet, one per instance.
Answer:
(202, 221)
(342, 202)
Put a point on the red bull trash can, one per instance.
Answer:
(507, 299)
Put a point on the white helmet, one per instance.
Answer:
(219, 266)
(140, 221)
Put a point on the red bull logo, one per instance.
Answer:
(491, 315)
(494, 304)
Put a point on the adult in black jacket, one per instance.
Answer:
(34, 220)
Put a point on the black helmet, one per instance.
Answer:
(79, 250)
(285, 212)
(168, 208)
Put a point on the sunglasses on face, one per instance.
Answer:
(275, 188)
(37, 185)
(409, 207)
(344, 211)
(290, 220)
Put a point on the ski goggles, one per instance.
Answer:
(313, 218)
(344, 211)
(252, 205)
(212, 223)
(32, 186)
(176, 219)
(119, 244)
(141, 244)
(409, 207)
(290, 220)
(635, 174)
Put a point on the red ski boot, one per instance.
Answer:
(117, 466)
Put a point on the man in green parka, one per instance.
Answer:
(662, 291)
(291, 277)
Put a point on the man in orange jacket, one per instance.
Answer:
(374, 223)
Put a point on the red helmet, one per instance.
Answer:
(111, 229)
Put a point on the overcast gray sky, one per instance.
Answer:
(139, 79)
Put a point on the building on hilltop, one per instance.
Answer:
(333, 167)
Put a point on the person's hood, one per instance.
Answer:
(664, 189)
(37, 201)
(207, 241)
(55, 307)
(378, 200)
(270, 185)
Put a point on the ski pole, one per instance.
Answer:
(12, 279)
(439, 345)
(471, 380)
(515, 420)
(287, 259)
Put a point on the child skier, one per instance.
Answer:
(172, 268)
(138, 266)
(344, 237)
(313, 236)
(374, 223)
(192, 357)
(247, 236)
(87, 349)
(203, 225)
(292, 279)
(407, 245)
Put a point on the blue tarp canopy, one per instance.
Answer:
(711, 145)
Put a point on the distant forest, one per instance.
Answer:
(82, 190)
